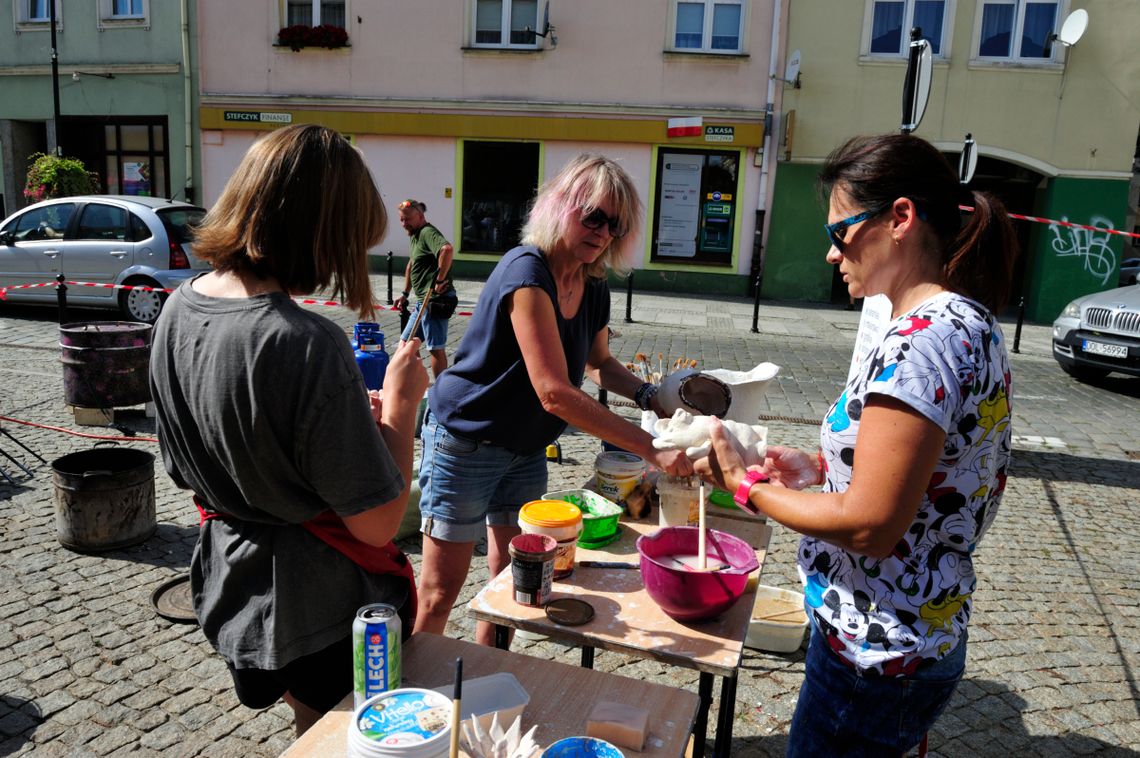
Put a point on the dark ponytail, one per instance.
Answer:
(977, 252)
(979, 262)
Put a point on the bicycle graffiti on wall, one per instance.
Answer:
(1090, 244)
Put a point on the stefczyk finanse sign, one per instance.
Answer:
(258, 117)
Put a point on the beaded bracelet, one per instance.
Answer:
(645, 393)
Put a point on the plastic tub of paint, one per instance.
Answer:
(486, 696)
(557, 519)
(618, 473)
(599, 515)
(778, 620)
(404, 723)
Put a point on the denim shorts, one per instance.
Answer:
(465, 484)
(843, 712)
(433, 331)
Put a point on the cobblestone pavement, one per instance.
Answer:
(88, 668)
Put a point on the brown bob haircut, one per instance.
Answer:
(301, 208)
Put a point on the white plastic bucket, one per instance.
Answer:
(404, 723)
(680, 501)
(618, 473)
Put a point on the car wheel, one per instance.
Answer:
(140, 304)
(1084, 373)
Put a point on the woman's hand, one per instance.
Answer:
(673, 462)
(724, 465)
(376, 402)
(406, 378)
(792, 468)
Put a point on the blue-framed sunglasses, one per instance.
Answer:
(837, 232)
(597, 218)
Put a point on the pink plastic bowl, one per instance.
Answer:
(688, 595)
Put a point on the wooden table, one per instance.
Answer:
(628, 621)
(561, 697)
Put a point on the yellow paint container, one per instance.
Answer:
(557, 519)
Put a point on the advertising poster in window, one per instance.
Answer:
(680, 198)
(136, 178)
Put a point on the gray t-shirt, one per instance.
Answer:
(263, 413)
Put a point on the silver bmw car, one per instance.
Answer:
(98, 242)
(1099, 333)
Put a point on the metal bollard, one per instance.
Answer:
(1020, 319)
(390, 301)
(629, 298)
(61, 298)
(603, 397)
(756, 304)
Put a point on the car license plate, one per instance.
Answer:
(1099, 348)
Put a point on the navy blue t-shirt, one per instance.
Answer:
(486, 394)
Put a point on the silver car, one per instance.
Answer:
(1099, 333)
(96, 241)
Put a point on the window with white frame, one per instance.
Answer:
(890, 22)
(1016, 30)
(36, 14)
(708, 26)
(506, 23)
(316, 13)
(120, 13)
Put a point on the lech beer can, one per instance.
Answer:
(375, 651)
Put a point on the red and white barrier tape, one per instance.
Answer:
(1069, 224)
(145, 288)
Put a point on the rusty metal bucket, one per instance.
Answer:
(104, 498)
(105, 363)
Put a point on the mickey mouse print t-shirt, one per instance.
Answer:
(946, 359)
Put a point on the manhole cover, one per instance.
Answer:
(172, 600)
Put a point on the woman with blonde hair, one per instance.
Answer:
(300, 480)
(541, 322)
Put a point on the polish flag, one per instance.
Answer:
(685, 127)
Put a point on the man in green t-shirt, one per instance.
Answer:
(429, 267)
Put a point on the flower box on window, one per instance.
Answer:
(325, 35)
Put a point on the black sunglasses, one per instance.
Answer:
(597, 218)
(837, 232)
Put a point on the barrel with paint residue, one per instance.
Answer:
(105, 363)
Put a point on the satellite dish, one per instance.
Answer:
(1073, 28)
(793, 69)
(968, 162)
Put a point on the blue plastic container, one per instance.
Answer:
(370, 355)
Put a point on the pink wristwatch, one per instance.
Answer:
(752, 477)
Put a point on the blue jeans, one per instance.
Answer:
(844, 712)
(433, 331)
(465, 483)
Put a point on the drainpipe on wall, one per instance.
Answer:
(771, 125)
(188, 190)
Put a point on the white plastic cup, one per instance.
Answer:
(679, 501)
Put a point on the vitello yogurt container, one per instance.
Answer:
(404, 723)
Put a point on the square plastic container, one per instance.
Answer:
(485, 696)
(778, 620)
(599, 514)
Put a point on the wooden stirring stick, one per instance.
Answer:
(420, 315)
(702, 557)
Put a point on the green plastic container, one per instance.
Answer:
(599, 515)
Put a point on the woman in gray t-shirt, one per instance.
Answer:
(263, 414)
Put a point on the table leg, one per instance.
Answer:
(700, 728)
(502, 637)
(723, 746)
(587, 657)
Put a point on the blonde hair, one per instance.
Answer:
(302, 208)
(584, 184)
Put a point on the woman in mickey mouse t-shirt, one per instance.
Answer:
(913, 455)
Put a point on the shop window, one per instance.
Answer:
(499, 182)
(135, 159)
(1016, 30)
(890, 22)
(694, 209)
(708, 26)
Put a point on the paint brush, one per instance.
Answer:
(420, 315)
(456, 697)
